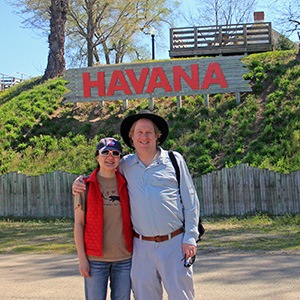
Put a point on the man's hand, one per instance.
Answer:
(189, 250)
(78, 185)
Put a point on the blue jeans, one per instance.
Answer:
(119, 274)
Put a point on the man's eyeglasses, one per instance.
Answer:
(188, 262)
(113, 153)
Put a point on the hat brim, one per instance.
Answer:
(109, 148)
(157, 120)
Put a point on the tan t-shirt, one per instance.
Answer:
(114, 247)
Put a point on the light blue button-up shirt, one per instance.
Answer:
(155, 203)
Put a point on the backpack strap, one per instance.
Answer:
(177, 170)
(176, 167)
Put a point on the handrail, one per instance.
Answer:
(7, 81)
(221, 36)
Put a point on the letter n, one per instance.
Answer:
(192, 81)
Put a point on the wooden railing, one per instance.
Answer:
(231, 191)
(7, 81)
(221, 40)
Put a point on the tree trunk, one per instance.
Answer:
(298, 55)
(56, 59)
(106, 53)
(90, 33)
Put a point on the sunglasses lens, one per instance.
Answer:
(113, 153)
(105, 153)
(188, 262)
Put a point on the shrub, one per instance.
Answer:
(180, 149)
(8, 127)
(215, 133)
(258, 87)
(183, 110)
(284, 43)
(86, 128)
(169, 144)
(204, 111)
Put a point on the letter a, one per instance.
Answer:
(208, 80)
(158, 72)
(118, 76)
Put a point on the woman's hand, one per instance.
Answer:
(84, 268)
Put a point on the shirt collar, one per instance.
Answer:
(163, 157)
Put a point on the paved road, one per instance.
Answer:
(217, 277)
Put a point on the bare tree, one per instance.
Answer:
(56, 58)
(221, 12)
(112, 28)
(288, 12)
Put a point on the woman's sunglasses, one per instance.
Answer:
(113, 153)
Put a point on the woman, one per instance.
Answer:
(102, 229)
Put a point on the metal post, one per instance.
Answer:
(125, 104)
(206, 100)
(151, 103)
(152, 33)
(153, 49)
(179, 101)
(238, 98)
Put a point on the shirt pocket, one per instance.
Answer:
(166, 186)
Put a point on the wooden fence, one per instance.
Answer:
(231, 191)
(246, 190)
(47, 195)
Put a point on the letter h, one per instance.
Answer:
(87, 84)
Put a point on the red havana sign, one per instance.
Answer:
(156, 79)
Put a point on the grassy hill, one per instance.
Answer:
(39, 133)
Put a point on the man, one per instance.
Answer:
(165, 227)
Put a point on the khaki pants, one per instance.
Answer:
(156, 263)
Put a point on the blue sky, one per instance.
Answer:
(21, 50)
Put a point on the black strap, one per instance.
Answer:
(177, 171)
(176, 167)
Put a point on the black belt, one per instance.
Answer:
(159, 238)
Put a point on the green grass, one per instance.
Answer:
(260, 233)
(37, 236)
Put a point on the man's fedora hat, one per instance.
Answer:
(160, 122)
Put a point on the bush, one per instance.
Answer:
(284, 43)
(86, 128)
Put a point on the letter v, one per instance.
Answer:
(138, 85)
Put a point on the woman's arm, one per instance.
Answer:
(79, 224)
